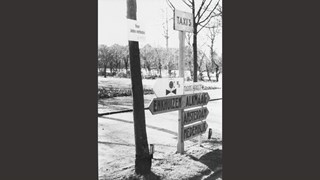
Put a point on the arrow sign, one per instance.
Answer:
(173, 103)
(197, 99)
(168, 87)
(195, 115)
(194, 130)
(166, 104)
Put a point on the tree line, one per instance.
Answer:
(115, 59)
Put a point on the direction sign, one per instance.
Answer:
(192, 87)
(195, 115)
(166, 104)
(168, 87)
(197, 99)
(173, 103)
(182, 21)
(194, 130)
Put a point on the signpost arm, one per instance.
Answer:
(180, 146)
(143, 159)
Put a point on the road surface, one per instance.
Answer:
(116, 135)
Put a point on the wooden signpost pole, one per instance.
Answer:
(143, 159)
(180, 146)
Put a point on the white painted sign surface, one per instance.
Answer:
(183, 21)
(192, 87)
(168, 87)
(136, 31)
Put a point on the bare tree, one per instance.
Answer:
(104, 58)
(214, 28)
(201, 17)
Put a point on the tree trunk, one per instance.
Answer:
(105, 70)
(160, 66)
(111, 67)
(126, 66)
(143, 158)
(195, 56)
(208, 73)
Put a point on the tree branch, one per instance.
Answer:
(205, 9)
(210, 13)
(197, 15)
(170, 4)
(189, 5)
(202, 26)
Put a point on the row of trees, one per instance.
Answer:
(116, 58)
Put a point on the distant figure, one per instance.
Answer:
(217, 74)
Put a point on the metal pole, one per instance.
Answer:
(180, 146)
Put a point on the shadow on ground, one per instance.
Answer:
(150, 176)
(213, 160)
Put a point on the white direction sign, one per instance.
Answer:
(194, 130)
(192, 87)
(195, 115)
(168, 87)
(136, 31)
(182, 21)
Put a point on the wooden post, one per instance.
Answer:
(180, 146)
(143, 158)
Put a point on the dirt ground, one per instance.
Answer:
(117, 147)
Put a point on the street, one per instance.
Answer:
(116, 135)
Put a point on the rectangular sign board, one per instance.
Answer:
(192, 87)
(173, 103)
(194, 130)
(195, 115)
(136, 31)
(182, 21)
(168, 87)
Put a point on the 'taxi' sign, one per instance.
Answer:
(182, 21)
(173, 103)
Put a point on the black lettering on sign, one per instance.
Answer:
(180, 20)
(166, 104)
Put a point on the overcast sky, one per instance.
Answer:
(112, 23)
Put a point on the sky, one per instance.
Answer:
(112, 23)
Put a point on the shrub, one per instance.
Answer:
(104, 92)
(121, 75)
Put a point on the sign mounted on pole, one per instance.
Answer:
(182, 21)
(165, 104)
(193, 87)
(136, 31)
(173, 103)
(195, 115)
(197, 99)
(194, 130)
(168, 87)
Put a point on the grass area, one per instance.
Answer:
(119, 87)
